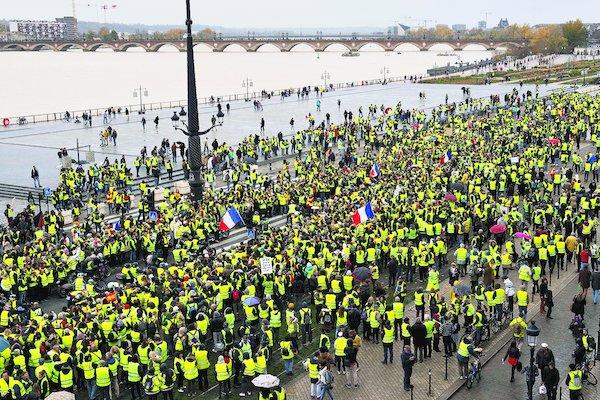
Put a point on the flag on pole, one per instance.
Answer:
(363, 214)
(230, 220)
(375, 171)
(446, 158)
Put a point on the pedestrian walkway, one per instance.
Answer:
(496, 375)
(381, 382)
(39, 143)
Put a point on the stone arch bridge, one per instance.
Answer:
(253, 45)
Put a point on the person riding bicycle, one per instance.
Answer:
(465, 350)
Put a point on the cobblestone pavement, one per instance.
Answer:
(496, 375)
(383, 382)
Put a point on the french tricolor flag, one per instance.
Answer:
(375, 172)
(446, 158)
(230, 220)
(363, 214)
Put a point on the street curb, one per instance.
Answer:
(504, 340)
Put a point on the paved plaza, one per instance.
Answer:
(38, 144)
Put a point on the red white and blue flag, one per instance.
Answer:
(363, 214)
(230, 220)
(446, 158)
(375, 171)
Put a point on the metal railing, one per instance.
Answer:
(135, 108)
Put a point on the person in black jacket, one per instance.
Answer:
(512, 355)
(551, 381)
(418, 333)
(543, 358)
(408, 360)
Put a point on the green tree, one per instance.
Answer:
(114, 36)
(575, 33)
(549, 39)
(90, 36)
(104, 34)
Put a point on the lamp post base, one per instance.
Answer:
(196, 185)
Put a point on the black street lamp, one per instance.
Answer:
(532, 334)
(193, 133)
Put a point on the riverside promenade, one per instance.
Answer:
(38, 144)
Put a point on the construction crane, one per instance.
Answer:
(422, 23)
(486, 17)
(104, 7)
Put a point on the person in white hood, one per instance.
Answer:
(509, 288)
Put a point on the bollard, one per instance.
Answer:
(446, 373)
(560, 393)
(411, 393)
(429, 390)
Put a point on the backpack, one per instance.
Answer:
(285, 352)
(148, 384)
(577, 381)
(306, 318)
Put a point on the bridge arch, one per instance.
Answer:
(268, 47)
(202, 47)
(130, 45)
(302, 47)
(360, 46)
(168, 46)
(15, 46)
(97, 46)
(336, 47)
(440, 46)
(234, 47)
(408, 46)
(475, 47)
(511, 45)
(69, 46)
(42, 46)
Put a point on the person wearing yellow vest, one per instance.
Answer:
(223, 372)
(574, 382)
(312, 366)
(151, 383)
(134, 377)
(523, 300)
(203, 365)
(339, 351)
(248, 372)
(287, 355)
(190, 372)
(65, 378)
(519, 326)
(388, 342)
(103, 378)
(420, 303)
(463, 353)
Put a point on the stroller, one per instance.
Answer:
(576, 326)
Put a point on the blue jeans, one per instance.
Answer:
(91, 388)
(288, 365)
(322, 390)
(596, 296)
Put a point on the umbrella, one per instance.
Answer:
(251, 301)
(523, 235)
(266, 381)
(498, 229)
(554, 141)
(362, 274)
(62, 395)
(3, 344)
(388, 110)
(458, 186)
(462, 290)
(450, 197)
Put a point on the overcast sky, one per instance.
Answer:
(310, 13)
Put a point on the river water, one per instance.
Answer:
(45, 82)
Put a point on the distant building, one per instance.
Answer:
(398, 30)
(61, 29)
(71, 23)
(503, 23)
(459, 28)
(482, 25)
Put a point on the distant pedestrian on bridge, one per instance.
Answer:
(35, 175)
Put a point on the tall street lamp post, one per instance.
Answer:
(193, 133)
(532, 334)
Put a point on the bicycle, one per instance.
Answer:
(22, 121)
(588, 376)
(474, 373)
